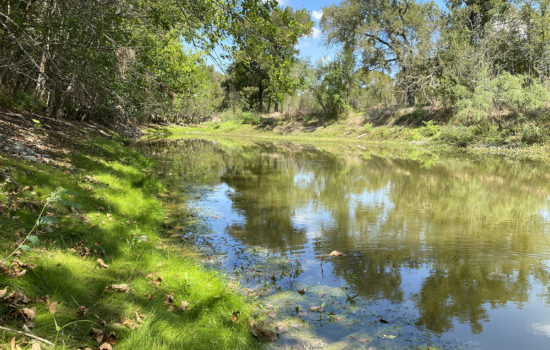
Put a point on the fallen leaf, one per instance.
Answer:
(387, 336)
(97, 334)
(336, 253)
(111, 338)
(14, 345)
(19, 273)
(138, 317)
(359, 339)
(383, 320)
(36, 346)
(302, 291)
(82, 310)
(53, 307)
(130, 324)
(16, 298)
(317, 309)
(105, 346)
(123, 287)
(28, 314)
(184, 306)
(169, 298)
(102, 264)
(235, 316)
(3, 292)
(262, 333)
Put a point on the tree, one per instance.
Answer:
(264, 58)
(396, 36)
(334, 84)
(105, 59)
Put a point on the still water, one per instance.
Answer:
(438, 251)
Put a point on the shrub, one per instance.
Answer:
(458, 135)
(250, 118)
(530, 133)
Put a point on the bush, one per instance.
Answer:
(429, 129)
(530, 133)
(458, 135)
(250, 118)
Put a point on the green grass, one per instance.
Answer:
(523, 141)
(115, 200)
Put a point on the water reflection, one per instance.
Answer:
(476, 231)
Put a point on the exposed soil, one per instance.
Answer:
(42, 139)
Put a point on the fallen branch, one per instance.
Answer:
(362, 135)
(42, 340)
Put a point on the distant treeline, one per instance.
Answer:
(479, 60)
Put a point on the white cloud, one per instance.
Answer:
(317, 15)
(283, 2)
(315, 33)
(541, 329)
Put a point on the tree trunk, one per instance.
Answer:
(261, 97)
(277, 106)
(41, 79)
(410, 96)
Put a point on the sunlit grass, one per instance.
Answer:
(118, 218)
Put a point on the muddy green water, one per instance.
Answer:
(450, 251)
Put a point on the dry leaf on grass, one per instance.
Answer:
(105, 346)
(235, 316)
(16, 298)
(130, 324)
(27, 314)
(14, 345)
(122, 287)
(53, 307)
(102, 264)
(169, 298)
(82, 310)
(97, 334)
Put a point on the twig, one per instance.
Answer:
(42, 340)
(36, 224)
(362, 135)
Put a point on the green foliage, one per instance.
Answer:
(531, 133)
(114, 212)
(90, 59)
(334, 83)
(265, 58)
(460, 136)
(250, 118)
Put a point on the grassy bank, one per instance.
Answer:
(147, 288)
(525, 142)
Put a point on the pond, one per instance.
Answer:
(437, 250)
